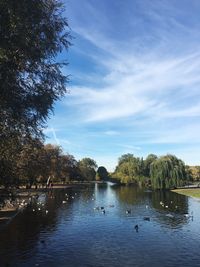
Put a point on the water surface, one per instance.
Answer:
(63, 228)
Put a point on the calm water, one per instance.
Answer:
(75, 234)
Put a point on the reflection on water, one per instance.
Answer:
(68, 228)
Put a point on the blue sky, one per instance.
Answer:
(135, 79)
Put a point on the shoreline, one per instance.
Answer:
(15, 200)
(189, 192)
(23, 196)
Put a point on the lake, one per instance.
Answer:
(67, 228)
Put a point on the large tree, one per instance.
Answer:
(87, 168)
(68, 168)
(167, 172)
(102, 173)
(31, 162)
(129, 168)
(32, 33)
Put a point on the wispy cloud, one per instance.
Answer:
(52, 131)
(137, 65)
(157, 89)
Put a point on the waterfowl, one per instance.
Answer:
(128, 211)
(136, 227)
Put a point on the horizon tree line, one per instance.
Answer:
(162, 172)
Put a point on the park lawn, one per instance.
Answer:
(194, 192)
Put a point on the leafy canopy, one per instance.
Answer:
(31, 35)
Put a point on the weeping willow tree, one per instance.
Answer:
(167, 172)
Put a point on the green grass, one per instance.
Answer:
(194, 192)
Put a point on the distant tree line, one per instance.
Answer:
(158, 172)
(35, 162)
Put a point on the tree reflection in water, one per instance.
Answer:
(166, 207)
(77, 233)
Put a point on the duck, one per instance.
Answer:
(146, 218)
(128, 211)
(136, 227)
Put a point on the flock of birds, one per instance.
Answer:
(103, 211)
(127, 211)
(21, 204)
(17, 204)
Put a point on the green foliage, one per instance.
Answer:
(30, 79)
(194, 171)
(32, 33)
(30, 162)
(87, 168)
(129, 168)
(9, 149)
(68, 168)
(60, 167)
(147, 163)
(161, 173)
(167, 172)
(102, 173)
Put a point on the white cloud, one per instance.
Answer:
(149, 89)
(186, 133)
(52, 131)
(154, 89)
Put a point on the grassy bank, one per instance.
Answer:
(193, 192)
